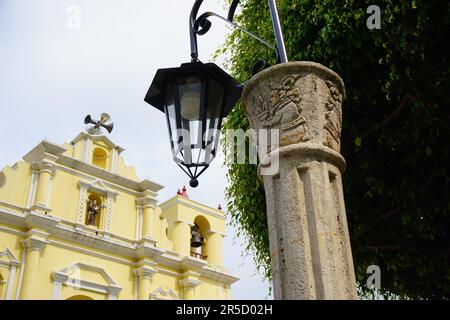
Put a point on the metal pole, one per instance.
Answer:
(278, 33)
(192, 35)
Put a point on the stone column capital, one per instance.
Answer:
(303, 100)
(59, 277)
(144, 272)
(189, 282)
(44, 166)
(36, 240)
(146, 202)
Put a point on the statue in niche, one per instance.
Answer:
(93, 209)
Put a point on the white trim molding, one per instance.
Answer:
(158, 292)
(181, 200)
(12, 265)
(71, 276)
(145, 248)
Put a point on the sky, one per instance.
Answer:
(54, 71)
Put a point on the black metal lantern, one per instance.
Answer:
(195, 98)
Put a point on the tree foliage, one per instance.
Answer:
(394, 138)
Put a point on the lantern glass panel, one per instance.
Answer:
(213, 117)
(189, 95)
(171, 119)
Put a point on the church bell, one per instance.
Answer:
(196, 237)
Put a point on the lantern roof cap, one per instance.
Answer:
(163, 78)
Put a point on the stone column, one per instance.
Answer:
(33, 245)
(46, 173)
(148, 210)
(213, 248)
(308, 233)
(180, 234)
(144, 276)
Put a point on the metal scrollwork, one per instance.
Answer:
(201, 25)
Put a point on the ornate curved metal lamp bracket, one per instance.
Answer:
(201, 25)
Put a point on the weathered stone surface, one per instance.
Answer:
(308, 233)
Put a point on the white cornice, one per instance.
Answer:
(91, 177)
(44, 150)
(63, 230)
(109, 143)
(180, 200)
(218, 275)
(44, 221)
(108, 175)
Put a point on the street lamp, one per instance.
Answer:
(196, 96)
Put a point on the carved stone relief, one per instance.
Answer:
(282, 110)
(333, 117)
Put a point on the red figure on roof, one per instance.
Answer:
(184, 192)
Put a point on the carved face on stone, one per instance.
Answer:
(274, 98)
(302, 100)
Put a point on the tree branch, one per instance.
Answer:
(380, 218)
(405, 100)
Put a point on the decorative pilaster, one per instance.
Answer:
(58, 280)
(46, 172)
(144, 275)
(308, 234)
(87, 156)
(115, 160)
(110, 196)
(33, 245)
(188, 285)
(146, 210)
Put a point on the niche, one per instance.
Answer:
(100, 158)
(94, 210)
(201, 225)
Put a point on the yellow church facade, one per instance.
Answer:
(77, 223)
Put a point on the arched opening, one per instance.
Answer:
(94, 210)
(201, 226)
(100, 158)
(79, 297)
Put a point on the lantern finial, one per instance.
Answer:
(193, 183)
